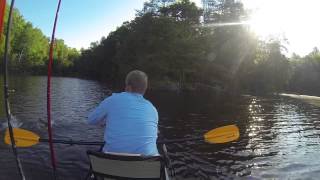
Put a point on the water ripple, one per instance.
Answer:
(279, 135)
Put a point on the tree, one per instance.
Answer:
(225, 11)
(153, 7)
(306, 73)
(29, 48)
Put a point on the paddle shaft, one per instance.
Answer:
(99, 143)
(72, 142)
(25, 138)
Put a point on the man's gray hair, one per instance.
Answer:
(137, 80)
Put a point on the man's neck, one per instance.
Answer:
(135, 93)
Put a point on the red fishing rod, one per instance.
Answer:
(2, 11)
(53, 160)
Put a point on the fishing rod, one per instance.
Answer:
(53, 160)
(224, 134)
(6, 87)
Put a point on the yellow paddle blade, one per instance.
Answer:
(222, 134)
(22, 138)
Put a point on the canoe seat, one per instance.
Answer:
(124, 166)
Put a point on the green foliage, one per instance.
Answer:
(182, 11)
(29, 49)
(164, 43)
(153, 7)
(272, 68)
(169, 43)
(306, 73)
(225, 11)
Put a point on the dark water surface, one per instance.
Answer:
(279, 135)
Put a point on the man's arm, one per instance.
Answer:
(99, 114)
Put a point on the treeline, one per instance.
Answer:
(305, 73)
(29, 49)
(169, 42)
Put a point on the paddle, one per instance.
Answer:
(25, 138)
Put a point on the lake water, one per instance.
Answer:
(279, 136)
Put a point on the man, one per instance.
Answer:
(131, 120)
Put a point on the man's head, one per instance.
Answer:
(137, 82)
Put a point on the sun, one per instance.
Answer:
(264, 25)
(271, 18)
(294, 20)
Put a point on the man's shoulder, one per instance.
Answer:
(148, 102)
(151, 105)
(118, 97)
(115, 96)
(111, 98)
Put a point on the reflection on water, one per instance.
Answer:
(279, 135)
(283, 138)
(314, 100)
(14, 123)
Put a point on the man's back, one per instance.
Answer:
(131, 123)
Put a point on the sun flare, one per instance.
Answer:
(294, 20)
(265, 25)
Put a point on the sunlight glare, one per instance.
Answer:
(295, 20)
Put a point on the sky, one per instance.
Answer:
(80, 21)
(84, 21)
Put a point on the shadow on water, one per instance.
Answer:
(279, 135)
